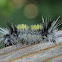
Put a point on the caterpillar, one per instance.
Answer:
(47, 31)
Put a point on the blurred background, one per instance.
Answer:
(28, 11)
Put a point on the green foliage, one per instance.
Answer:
(3, 3)
(8, 12)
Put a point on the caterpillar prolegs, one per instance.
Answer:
(47, 31)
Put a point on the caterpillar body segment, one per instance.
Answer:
(46, 32)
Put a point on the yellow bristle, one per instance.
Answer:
(26, 27)
(38, 26)
(22, 26)
(35, 27)
(19, 26)
(41, 27)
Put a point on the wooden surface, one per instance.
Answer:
(34, 53)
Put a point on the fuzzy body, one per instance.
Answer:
(45, 32)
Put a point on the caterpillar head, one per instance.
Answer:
(11, 37)
(4, 35)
